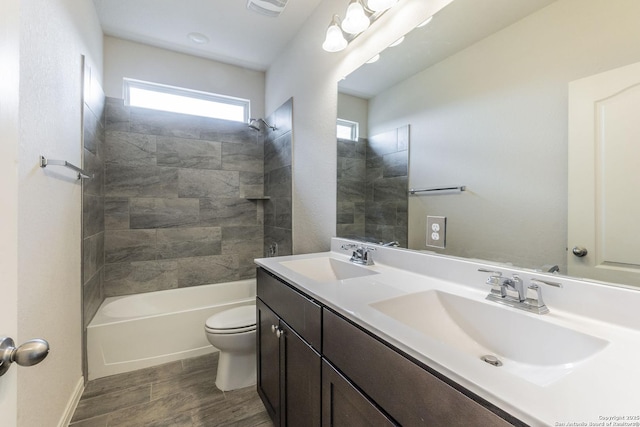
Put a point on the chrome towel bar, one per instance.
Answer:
(44, 162)
(451, 188)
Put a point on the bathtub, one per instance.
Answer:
(142, 330)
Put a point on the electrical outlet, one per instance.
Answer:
(273, 250)
(436, 231)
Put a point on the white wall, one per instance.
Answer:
(494, 117)
(310, 75)
(124, 58)
(53, 36)
(354, 109)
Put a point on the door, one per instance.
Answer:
(8, 290)
(604, 177)
(344, 406)
(268, 360)
(9, 137)
(302, 380)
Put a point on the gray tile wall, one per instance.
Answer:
(93, 224)
(372, 187)
(92, 197)
(352, 177)
(176, 212)
(277, 179)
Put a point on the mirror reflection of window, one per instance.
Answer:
(347, 129)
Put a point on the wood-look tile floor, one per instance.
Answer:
(176, 394)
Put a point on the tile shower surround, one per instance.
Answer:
(373, 185)
(92, 197)
(277, 179)
(175, 207)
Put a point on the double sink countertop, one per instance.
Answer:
(576, 365)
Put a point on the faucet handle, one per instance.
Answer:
(536, 285)
(497, 286)
(366, 256)
(538, 302)
(494, 278)
(546, 282)
(493, 273)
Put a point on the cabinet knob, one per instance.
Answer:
(279, 332)
(273, 328)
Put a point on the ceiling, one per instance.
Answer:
(237, 35)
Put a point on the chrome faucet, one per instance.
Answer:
(361, 254)
(516, 284)
(518, 298)
(393, 244)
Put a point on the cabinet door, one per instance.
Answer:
(410, 394)
(301, 366)
(344, 406)
(268, 360)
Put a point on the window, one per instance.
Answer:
(179, 100)
(347, 130)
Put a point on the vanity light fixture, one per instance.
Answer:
(397, 42)
(425, 22)
(380, 5)
(374, 59)
(355, 21)
(334, 40)
(359, 15)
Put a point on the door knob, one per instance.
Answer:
(30, 353)
(579, 251)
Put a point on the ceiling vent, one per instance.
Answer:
(271, 8)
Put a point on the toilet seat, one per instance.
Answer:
(233, 321)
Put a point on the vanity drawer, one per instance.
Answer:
(301, 313)
(406, 391)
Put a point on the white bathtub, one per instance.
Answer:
(142, 330)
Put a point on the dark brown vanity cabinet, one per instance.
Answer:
(408, 393)
(288, 348)
(315, 366)
(344, 406)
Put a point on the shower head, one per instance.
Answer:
(255, 124)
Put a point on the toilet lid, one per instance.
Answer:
(238, 318)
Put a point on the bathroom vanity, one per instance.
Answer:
(305, 349)
(402, 341)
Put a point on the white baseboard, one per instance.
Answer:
(73, 404)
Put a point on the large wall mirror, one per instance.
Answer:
(484, 90)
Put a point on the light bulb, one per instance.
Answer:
(355, 20)
(397, 42)
(334, 40)
(380, 5)
(374, 59)
(425, 22)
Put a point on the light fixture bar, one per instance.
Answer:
(355, 20)
(358, 17)
(380, 5)
(334, 39)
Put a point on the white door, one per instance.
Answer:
(604, 176)
(9, 136)
(8, 260)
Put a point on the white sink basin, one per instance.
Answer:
(531, 348)
(325, 269)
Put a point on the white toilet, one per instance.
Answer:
(233, 332)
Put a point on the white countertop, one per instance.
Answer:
(595, 390)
